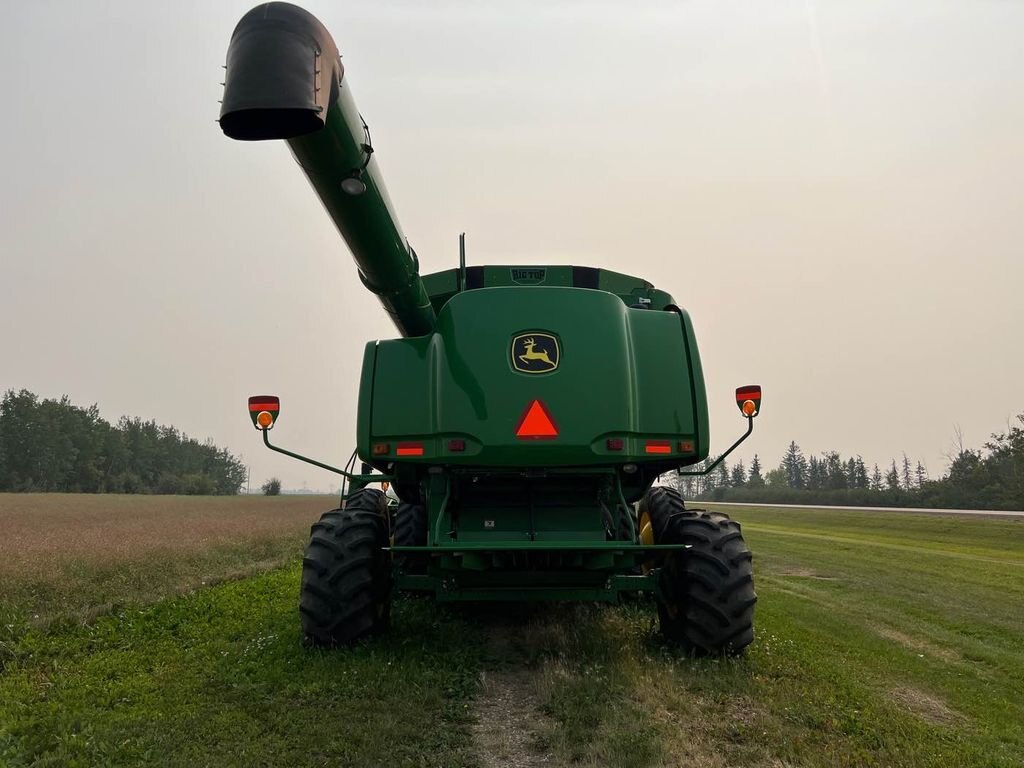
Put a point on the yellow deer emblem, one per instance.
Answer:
(535, 353)
(529, 344)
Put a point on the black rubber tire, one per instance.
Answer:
(409, 529)
(707, 591)
(346, 572)
(660, 512)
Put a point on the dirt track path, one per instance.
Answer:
(508, 709)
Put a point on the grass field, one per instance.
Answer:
(883, 640)
(72, 557)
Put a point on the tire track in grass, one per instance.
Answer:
(509, 719)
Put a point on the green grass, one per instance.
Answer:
(221, 678)
(882, 640)
(75, 592)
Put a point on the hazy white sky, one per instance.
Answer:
(835, 190)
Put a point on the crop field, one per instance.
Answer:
(882, 640)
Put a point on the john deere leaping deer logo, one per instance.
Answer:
(535, 352)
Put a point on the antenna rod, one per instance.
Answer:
(462, 261)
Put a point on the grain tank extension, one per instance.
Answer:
(522, 416)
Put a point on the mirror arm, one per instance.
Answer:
(328, 467)
(706, 470)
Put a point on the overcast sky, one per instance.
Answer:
(835, 190)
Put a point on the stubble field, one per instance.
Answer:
(883, 639)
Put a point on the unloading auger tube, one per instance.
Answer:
(285, 80)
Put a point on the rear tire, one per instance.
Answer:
(346, 572)
(656, 514)
(410, 530)
(707, 591)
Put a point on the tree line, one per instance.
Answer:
(991, 477)
(52, 445)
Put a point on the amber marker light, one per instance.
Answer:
(380, 449)
(748, 400)
(264, 410)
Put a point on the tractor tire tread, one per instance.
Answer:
(345, 592)
(410, 530)
(707, 591)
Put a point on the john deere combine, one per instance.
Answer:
(522, 417)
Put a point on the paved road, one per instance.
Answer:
(985, 512)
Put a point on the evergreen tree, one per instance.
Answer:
(876, 479)
(835, 471)
(892, 477)
(794, 465)
(754, 479)
(722, 479)
(921, 475)
(815, 474)
(908, 482)
(862, 474)
(738, 476)
(708, 482)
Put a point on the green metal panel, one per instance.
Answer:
(365, 399)
(633, 291)
(623, 373)
(699, 394)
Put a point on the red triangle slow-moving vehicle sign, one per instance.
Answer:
(536, 423)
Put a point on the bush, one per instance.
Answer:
(272, 487)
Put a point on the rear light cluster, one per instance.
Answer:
(665, 446)
(455, 445)
(653, 446)
(458, 445)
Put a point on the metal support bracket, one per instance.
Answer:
(733, 447)
(350, 475)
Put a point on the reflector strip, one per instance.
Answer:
(658, 446)
(537, 423)
(748, 393)
(409, 449)
(264, 405)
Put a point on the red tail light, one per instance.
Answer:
(409, 449)
(658, 446)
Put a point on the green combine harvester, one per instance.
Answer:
(522, 418)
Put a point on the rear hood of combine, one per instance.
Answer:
(537, 377)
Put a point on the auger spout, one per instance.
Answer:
(285, 80)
